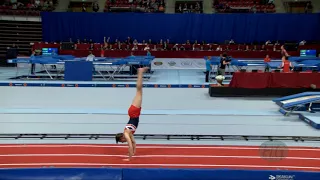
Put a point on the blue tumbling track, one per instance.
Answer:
(154, 174)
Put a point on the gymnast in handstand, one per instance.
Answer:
(134, 113)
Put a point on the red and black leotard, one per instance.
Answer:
(134, 114)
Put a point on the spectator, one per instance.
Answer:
(165, 46)
(255, 48)
(222, 65)
(185, 8)
(147, 48)
(308, 8)
(265, 10)
(33, 66)
(231, 41)
(197, 8)
(208, 68)
(175, 47)
(95, 6)
(303, 42)
(135, 47)
(84, 9)
(286, 64)
(14, 6)
(219, 48)
(267, 60)
(154, 48)
(191, 10)
(284, 51)
(268, 42)
(254, 9)
(180, 8)
(148, 53)
(37, 3)
(90, 57)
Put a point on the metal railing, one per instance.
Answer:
(160, 137)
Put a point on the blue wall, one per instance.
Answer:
(150, 174)
(180, 27)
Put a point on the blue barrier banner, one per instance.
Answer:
(61, 174)
(78, 71)
(243, 28)
(151, 174)
(194, 174)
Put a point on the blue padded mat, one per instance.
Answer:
(313, 119)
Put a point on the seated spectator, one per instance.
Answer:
(185, 8)
(308, 8)
(95, 6)
(180, 8)
(147, 48)
(198, 8)
(135, 47)
(247, 48)
(219, 48)
(175, 47)
(84, 9)
(303, 42)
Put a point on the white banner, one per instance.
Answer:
(178, 63)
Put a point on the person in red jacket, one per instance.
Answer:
(286, 64)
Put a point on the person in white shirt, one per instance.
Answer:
(219, 48)
(147, 48)
(90, 57)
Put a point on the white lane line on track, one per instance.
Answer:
(157, 165)
(154, 147)
(153, 156)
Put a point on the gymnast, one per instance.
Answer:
(134, 113)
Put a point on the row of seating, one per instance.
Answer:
(243, 6)
(143, 5)
(25, 8)
(214, 47)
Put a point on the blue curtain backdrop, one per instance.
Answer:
(243, 28)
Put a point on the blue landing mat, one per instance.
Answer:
(313, 119)
(144, 112)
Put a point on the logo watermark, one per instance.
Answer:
(282, 177)
(273, 151)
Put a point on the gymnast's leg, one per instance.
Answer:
(137, 101)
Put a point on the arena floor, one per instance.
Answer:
(187, 111)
